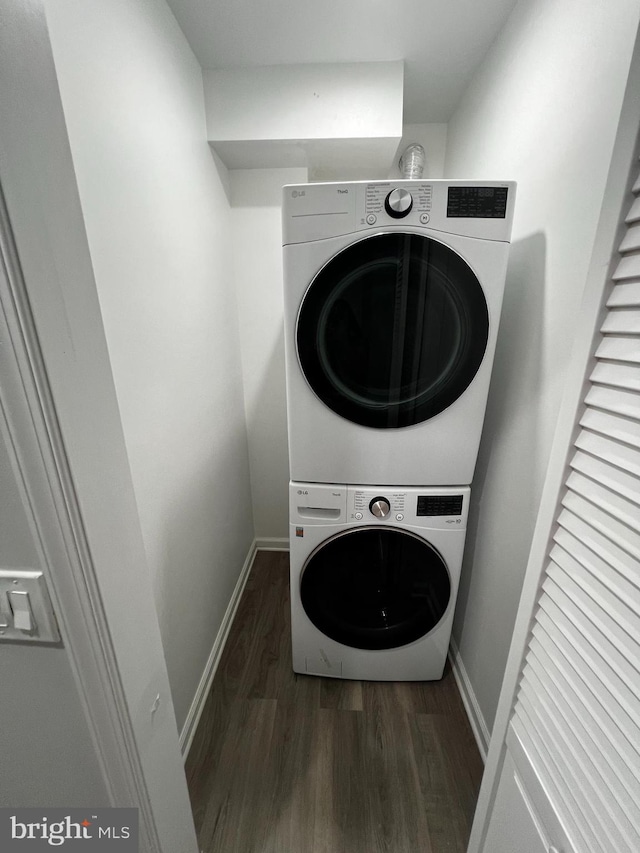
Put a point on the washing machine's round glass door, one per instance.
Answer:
(392, 330)
(375, 588)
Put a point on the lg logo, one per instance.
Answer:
(303, 491)
(298, 193)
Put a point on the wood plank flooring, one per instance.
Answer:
(286, 763)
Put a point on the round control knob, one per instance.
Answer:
(398, 203)
(380, 507)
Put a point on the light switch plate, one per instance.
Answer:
(32, 583)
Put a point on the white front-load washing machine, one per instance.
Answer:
(393, 293)
(374, 579)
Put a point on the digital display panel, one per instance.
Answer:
(477, 202)
(439, 505)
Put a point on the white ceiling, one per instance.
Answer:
(441, 41)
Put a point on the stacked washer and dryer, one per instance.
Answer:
(393, 294)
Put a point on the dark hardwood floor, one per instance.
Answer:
(286, 763)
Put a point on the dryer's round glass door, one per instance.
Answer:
(375, 588)
(392, 330)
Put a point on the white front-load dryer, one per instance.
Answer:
(374, 579)
(393, 293)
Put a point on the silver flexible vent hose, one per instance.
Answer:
(411, 162)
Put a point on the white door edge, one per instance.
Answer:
(608, 235)
(59, 417)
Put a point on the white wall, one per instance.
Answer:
(303, 102)
(157, 218)
(256, 198)
(285, 116)
(542, 110)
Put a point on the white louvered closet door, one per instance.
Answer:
(577, 711)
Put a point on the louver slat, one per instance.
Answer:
(627, 458)
(625, 321)
(586, 758)
(621, 402)
(612, 426)
(564, 568)
(620, 349)
(611, 751)
(620, 586)
(597, 716)
(604, 523)
(625, 295)
(628, 267)
(616, 506)
(577, 713)
(613, 478)
(560, 794)
(631, 240)
(634, 213)
(568, 764)
(567, 586)
(616, 557)
(583, 757)
(559, 640)
(599, 652)
(619, 375)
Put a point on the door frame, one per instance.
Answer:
(609, 233)
(60, 419)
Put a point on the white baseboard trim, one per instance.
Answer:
(272, 543)
(195, 711)
(471, 706)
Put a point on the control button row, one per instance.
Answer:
(372, 218)
(358, 516)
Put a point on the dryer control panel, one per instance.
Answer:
(481, 209)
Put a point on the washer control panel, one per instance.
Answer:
(375, 505)
(436, 507)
